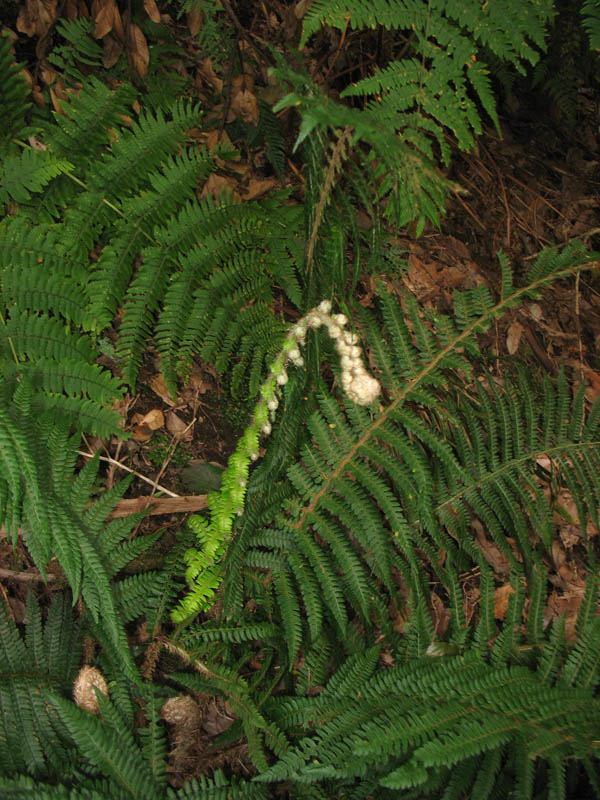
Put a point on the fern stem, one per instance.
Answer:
(334, 165)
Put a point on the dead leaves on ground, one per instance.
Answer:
(114, 29)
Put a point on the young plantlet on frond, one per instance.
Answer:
(204, 571)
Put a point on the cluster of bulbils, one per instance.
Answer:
(213, 536)
(360, 387)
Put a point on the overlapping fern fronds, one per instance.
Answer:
(437, 454)
(448, 721)
(55, 512)
(108, 220)
(410, 105)
(384, 504)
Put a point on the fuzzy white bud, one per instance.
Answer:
(363, 389)
(299, 331)
(324, 306)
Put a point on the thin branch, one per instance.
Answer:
(156, 486)
(27, 577)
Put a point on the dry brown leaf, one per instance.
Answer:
(558, 554)
(217, 184)
(159, 387)
(535, 311)
(501, 597)
(154, 419)
(47, 74)
(441, 615)
(55, 101)
(300, 8)
(74, 9)
(139, 53)
(196, 381)
(142, 434)
(205, 71)
(470, 603)
(104, 21)
(244, 106)
(178, 428)
(491, 552)
(213, 139)
(567, 604)
(421, 278)
(36, 17)
(38, 96)
(592, 390)
(36, 144)
(195, 19)
(60, 90)
(570, 535)
(118, 29)
(112, 51)
(152, 10)
(513, 337)
(569, 513)
(146, 424)
(257, 187)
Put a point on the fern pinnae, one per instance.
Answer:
(353, 574)
(353, 507)
(310, 592)
(290, 611)
(325, 573)
(88, 118)
(116, 756)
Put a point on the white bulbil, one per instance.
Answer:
(360, 387)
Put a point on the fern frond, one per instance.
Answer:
(590, 12)
(13, 95)
(33, 740)
(107, 747)
(29, 172)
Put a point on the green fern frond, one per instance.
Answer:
(87, 119)
(82, 49)
(29, 172)
(107, 747)
(47, 657)
(13, 96)
(590, 12)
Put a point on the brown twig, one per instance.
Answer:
(27, 577)
(154, 484)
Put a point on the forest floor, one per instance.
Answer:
(535, 185)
